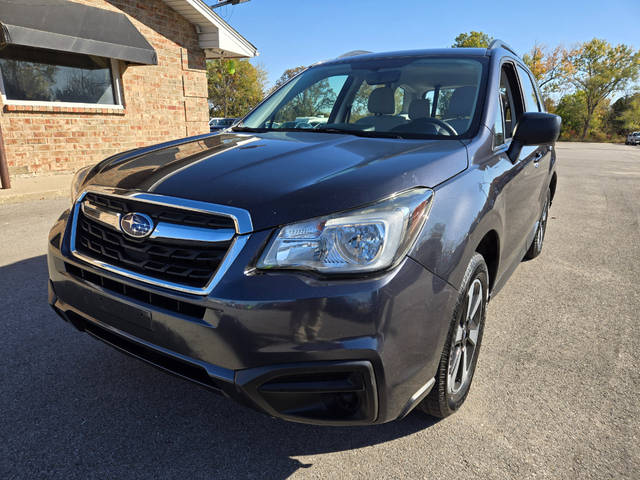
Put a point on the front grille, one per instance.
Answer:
(161, 212)
(179, 262)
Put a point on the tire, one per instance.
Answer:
(450, 391)
(538, 239)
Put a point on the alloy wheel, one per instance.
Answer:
(465, 340)
(543, 223)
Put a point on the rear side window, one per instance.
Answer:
(528, 91)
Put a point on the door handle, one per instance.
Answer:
(537, 158)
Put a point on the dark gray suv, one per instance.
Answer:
(328, 259)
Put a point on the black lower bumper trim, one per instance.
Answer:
(183, 369)
(325, 393)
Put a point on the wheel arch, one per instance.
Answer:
(489, 248)
(552, 185)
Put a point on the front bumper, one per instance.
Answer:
(294, 346)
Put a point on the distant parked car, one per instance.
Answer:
(633, 139)
(216, 124)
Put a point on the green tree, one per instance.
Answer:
(472, 39)
(235, 86)
(573, 110)
(624, 115)
(597, 70)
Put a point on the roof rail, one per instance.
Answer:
(497, 43)
(353, 53)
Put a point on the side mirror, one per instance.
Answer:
(534, 128)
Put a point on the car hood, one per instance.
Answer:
(280, 177)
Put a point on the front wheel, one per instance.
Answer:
(460, 354)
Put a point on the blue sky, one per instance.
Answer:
(289, 33)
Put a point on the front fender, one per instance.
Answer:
(461, 215)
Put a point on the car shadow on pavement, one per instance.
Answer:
(75, 408)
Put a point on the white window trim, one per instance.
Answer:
(116, 81)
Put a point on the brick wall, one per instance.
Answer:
(162, 102)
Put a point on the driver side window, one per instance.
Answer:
(510, 106)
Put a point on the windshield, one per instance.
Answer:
(393, 97)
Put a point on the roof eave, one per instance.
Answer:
(228, 43)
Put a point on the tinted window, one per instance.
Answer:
(41, 75)
(528, 91)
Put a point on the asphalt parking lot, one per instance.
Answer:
(555, 393)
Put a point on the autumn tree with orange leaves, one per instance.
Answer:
(546, 66)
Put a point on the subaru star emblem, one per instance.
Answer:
(136, 225)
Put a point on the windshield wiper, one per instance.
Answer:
(359, 133)
(335, 130)
(239, 128)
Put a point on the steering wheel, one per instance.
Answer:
(440, 123)
(420, 124)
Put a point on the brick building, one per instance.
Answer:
(86, 79)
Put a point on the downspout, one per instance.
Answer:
(4, 168)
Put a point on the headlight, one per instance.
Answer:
(77, 182)
(365, 240)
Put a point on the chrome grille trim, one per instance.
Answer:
(162, 230)
(110, 219)
(240, 217)
(185, 233)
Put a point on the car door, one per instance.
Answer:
(540, 155)
(518, 178)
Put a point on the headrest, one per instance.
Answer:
(381, 101)
(419, 108)
(461, 102)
